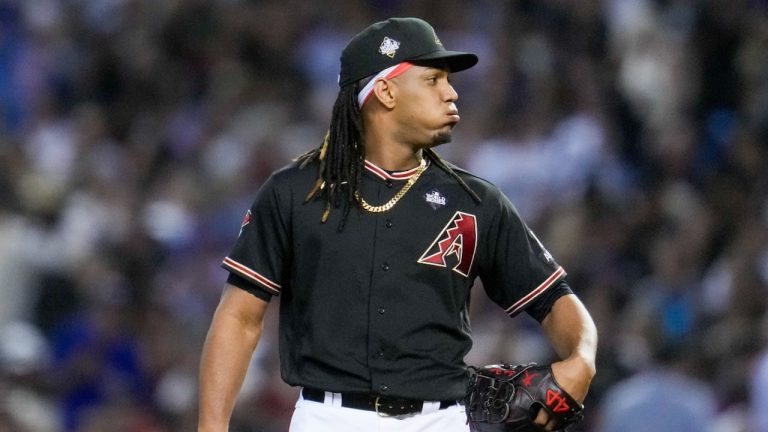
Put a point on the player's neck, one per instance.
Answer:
(389, 154)
(393, 157)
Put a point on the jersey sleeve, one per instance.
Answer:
(517, 269)
(261, 250)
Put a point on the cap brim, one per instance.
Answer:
(455, 60)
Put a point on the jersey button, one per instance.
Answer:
(388, 223)
(380, 354)
(381, 311)
(383, 387)
(389, 183)
(385, 267)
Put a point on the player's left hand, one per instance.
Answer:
(574, 376)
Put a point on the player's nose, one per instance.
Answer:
(450, 94)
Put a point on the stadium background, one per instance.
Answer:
(631, 134)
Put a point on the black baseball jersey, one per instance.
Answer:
(382, 306)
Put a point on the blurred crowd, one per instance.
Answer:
(630, 134)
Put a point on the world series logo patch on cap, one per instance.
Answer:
(389, 47)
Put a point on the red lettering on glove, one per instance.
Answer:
(528, 378)
(556, 402)
(505, 372)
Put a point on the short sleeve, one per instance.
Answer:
(516, 268)
(246, 285)
(542, 305)
(261, 250)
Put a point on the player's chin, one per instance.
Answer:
(443, 136)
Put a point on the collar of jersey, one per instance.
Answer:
(390, 175)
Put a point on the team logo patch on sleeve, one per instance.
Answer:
(246, 221)
(458, 238)
(544, 252)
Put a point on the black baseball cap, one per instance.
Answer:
(393, 41)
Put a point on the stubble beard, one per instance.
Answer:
(442, 137)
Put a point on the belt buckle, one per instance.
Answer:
(393, 407)
(377, 404)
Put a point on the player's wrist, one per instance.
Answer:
(580, 361)
(575, 374)
(583, 365)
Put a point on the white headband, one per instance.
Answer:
(387, 73)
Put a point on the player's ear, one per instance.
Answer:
(385, 92)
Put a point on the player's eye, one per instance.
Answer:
(432, 80)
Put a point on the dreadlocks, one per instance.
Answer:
(342, 154)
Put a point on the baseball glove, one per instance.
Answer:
(505, 398)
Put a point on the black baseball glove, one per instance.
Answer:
(505, 398)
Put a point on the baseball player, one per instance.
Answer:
(371, 242)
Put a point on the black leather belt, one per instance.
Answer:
(382, 405)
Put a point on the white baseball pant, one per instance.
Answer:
(330, 416)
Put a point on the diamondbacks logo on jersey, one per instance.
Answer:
(246, 221)
(459, 238)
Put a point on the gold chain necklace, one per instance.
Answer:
(391, 203)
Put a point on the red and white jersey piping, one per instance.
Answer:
(253, 275)
(386, 175)
(523, 302)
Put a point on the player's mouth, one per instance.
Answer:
(454, 117)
